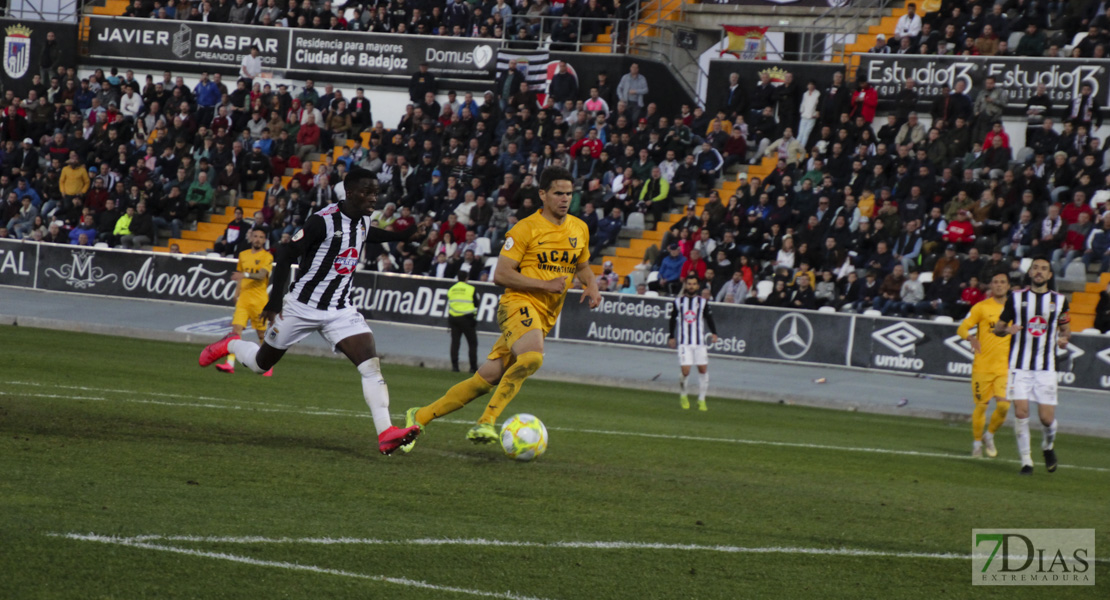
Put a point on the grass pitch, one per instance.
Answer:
(177, 482)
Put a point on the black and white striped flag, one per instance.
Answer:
(532, 62)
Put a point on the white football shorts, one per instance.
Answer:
(693, 354)
(298, 320)
(1038, 386)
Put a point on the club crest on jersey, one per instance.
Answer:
(1038, 326)
(573, 242)
(346, 262)
(689, 316)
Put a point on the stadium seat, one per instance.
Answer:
(1015, 39)
(653, 277)
(1075, 271)
(1090, 331)
(1026, 263)
(944, 319)
(214, 255)
(491, 264)
(1024, 154)
(925, 277)
(101, 245)
(652, 293)
(635, 221)
(872, 313)
(826, 309)
(764, 289)
(637, 277)
(483, 246)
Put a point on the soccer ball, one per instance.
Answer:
(523, 437)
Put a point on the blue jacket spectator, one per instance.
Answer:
(207, 92)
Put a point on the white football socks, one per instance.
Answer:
(1021, 429)
(703, 386)
(1049, 436)
(245, 352)
(376, 393)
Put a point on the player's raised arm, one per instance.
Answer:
(310, 236)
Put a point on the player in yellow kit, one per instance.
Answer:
(990, 370)
(542, 255)
(253, 275)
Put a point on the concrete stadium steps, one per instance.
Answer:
(865, 41)
(111, 8)
(1083, 303)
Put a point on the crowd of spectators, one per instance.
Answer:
(978, 28)
(525, 22)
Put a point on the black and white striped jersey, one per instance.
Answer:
(328, 246)
(1040, 316)
(691, 320)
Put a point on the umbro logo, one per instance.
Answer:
(900, 337)
(337, 234)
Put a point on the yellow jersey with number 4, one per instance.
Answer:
(253, 291)
(995, 356)
(546, 251)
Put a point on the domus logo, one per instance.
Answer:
(901, 338)
(480, 56)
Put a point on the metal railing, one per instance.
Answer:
(829, 34)
(587, 30)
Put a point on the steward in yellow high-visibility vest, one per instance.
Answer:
(462, 312)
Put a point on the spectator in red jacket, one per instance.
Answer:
(452, 225)
(864, 101)
(694, 264)
(308, 138)
(996, 131)
(1077, 206)
(961, 231)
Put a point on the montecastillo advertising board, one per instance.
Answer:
(283, 49)
(1019, 76)
(186, 41)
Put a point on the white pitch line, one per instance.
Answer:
(339, 412)
(558, 545)
(565, 545)
(403, 581)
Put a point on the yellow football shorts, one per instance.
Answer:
(514, 320)
(249, 312)
(987, 386)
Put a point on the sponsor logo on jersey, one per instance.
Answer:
(1038, 326)
(346, 262)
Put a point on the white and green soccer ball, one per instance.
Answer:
(523, 437)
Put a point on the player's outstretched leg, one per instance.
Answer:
(526, 365)
(217, 350)
(457, 397)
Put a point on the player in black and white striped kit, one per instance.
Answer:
(328, 246)
(691, 318)
(1038, 319)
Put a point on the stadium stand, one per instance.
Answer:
(842, 206)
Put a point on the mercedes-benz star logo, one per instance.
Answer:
(793, 336)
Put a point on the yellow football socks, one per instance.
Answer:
(978, 419)
(455, 398)
(1001, 407)
(526, 364)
